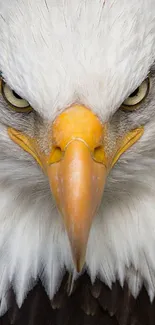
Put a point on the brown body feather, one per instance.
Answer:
(87, 305)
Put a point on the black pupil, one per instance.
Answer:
(135, 93)
(16, 95)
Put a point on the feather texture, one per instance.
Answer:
(110, 307)
(85, 51)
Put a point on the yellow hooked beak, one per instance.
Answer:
(77, 165)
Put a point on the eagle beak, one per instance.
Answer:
(76, 178)
(77, 166)
(77, 183)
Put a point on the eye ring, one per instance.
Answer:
(17, 103)
(137, 97)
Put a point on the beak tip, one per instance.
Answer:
(79, 263)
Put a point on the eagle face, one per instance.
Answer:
(76, 118)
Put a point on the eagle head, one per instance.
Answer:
(77, 150)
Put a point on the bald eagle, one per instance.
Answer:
(77, 162)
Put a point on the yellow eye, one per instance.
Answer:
(137, 96)
(12, 98)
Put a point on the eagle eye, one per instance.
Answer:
(13, 99)
(137, 97)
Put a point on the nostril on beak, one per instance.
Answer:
(56, 155)
(99, 154)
